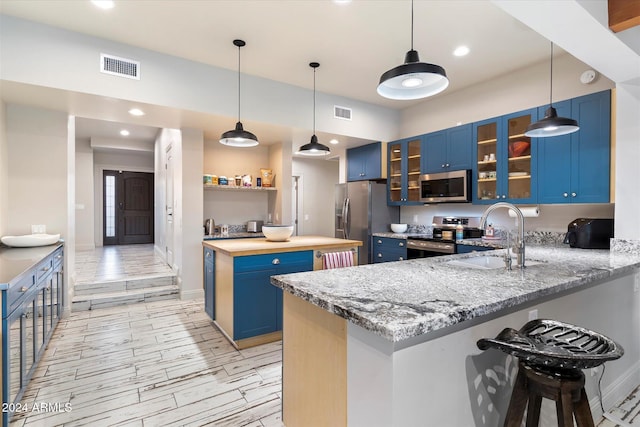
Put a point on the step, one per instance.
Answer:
(131, 296)
(122, 285)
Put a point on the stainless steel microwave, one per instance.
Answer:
(446, 187)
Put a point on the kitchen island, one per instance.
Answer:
(394, 344)
(238, 295)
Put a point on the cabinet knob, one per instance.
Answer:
(45, 268)
(208, 254)
(443, 165)
(379, 255)
(565, 194)
(379, 242)
(24, 289)
(573, 194)
(59, 256)
(275, 261)
(447, 165)
(504, 196)
(209, 271)
(401, 259)
(401, 244)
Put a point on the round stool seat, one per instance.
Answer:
(553, 344)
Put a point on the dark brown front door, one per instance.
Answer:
(128, 208)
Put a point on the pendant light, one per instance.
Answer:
(239, 137)
(314, 148)
(413, 79)
(551, 124)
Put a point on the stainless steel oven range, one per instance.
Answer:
(443, 240)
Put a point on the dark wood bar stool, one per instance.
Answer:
(551, 357)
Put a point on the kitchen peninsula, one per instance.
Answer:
(394, 344)
(238, 295)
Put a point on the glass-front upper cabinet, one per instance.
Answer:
(404, 171)
(505, 165)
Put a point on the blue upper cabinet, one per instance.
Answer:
(403, 176)
(506, 167)
(364, 162)
(575, 168)
(448, 150)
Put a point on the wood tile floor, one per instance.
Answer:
(152, 364)
(112, 263)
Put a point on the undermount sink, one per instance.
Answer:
(488, 262)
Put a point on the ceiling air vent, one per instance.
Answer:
(122, 67)
(343, 113)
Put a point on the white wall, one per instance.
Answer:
(4, 171)
(627, 159)
(37, 169)
(188, 218)
(114, 160)
(72, 64)
(318, 178)
(526, 88)
(85, 219)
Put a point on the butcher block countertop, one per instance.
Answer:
(259, 246)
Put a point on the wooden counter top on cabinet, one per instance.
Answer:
(242, 247)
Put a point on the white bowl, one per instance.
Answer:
(398, 228)
(30, 240)
(277, 233)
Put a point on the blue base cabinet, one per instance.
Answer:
(209, 283)
(387, 249)
(364, 162)
(465, 249)
(257, 305)
(31, 309)
(575, 168)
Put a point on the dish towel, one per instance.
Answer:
(337, 259)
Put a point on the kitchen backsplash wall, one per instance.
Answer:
(551, 217)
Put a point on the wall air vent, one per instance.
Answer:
(343, 113)
(122, 67)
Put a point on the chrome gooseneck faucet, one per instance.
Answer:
(519, 246)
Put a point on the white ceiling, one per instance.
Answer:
(355, 43)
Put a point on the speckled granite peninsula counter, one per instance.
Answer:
(393, 344)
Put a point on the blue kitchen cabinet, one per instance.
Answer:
(257, 305)
(364, 162)
(503, 170)
(387, 249)
(209, 283)
(575, 168)
(31, 308)
(448, 150)
(403, 173)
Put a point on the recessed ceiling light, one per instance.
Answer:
(461, 51)
(342, 1)
(124, 132)
(103, 4)
(334, 141)
(136, 112)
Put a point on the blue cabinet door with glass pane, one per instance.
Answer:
(575, 168)
(209, 282)
(257, 305)
(364, 162)
(404, 168)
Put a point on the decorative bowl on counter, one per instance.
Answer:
(30, 240)
(277, 233)
(398, 228)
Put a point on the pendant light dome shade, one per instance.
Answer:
(314, 148)
(413, 79)
(551, 124)
(239, 137)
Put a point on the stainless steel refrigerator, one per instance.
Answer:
(361, 209)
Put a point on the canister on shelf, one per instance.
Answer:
(206, 179)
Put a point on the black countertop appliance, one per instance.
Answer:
(589, 233)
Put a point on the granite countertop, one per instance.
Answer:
(232, 235)
(242, 247)
(405, 299)
(15, 261)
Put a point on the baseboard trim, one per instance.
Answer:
(192, 294)
(617, 391)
